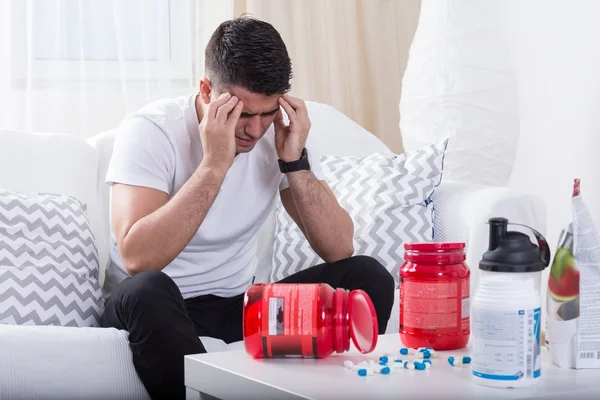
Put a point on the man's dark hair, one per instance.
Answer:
(249, 53)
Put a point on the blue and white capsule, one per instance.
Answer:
(409, 365)
(459, 361)
(365, 371)
(405, 351)
(423, 355)
(419, 365)
(385, 370)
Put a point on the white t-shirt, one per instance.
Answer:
(159, 147)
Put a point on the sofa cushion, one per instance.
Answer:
(48, 262)
(32, 162)
(388, 198)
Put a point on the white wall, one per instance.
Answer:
(556, 51)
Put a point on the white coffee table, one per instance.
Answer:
(235, 375)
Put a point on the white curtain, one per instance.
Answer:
(460, 82)
(516, 86)
(79, 66)
(350, 54)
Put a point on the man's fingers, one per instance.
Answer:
(296, 103)
(288, 109)
(235, 114)
(278, 122)
(226, 108)
(218, 102)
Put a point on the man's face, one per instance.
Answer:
(257, 115)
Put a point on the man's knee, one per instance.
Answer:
(374, 270)
(148, 289)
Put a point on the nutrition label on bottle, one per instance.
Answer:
(435, 305)
(291, 309)
(587, 254)
(506, 344)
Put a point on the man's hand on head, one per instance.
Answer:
(291, 139)
(217, 131)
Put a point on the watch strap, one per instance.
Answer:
(298, 165)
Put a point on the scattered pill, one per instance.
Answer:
(384, 359)
(409, 365)
(455, 362)
(365, 372)
(459, 361)
(419, 366)
(430, 351)
(383, 370)
(428, 362)
(423, 355)
(406, 351)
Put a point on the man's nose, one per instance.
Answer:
(254, 126)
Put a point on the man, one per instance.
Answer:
(193, 179)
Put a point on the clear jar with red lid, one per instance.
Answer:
(435, 296)
(306, 320)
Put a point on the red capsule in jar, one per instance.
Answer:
(306, 320)
(435, 296)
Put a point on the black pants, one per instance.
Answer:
(163, 327)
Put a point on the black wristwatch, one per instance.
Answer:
(298, 165)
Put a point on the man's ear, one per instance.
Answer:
(205, 90)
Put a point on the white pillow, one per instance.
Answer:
(388, 198)
(48, 262)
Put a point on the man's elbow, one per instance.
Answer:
(132, 265)
(132, 260)
(341, 252)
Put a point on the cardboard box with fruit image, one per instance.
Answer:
(573, 299)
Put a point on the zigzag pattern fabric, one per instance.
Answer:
(48, 262)
(388, 198)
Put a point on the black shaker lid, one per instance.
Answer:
(512, 251)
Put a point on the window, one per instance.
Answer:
(99, 40)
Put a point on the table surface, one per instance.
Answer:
(232, 374)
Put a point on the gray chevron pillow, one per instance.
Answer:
(48, 262)
(388, 198)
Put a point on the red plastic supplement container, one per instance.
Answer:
(307, 320)
(434, 296)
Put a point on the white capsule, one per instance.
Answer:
(348, 364)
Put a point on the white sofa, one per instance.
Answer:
(59, 362)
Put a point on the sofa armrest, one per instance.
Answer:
(462, 211)
(51, 362)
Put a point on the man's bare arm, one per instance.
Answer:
(151, 229)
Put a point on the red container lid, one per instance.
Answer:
(434, 247)
(363, 321)
(435, 253)
(339, 320)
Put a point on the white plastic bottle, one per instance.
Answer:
(506, 329)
